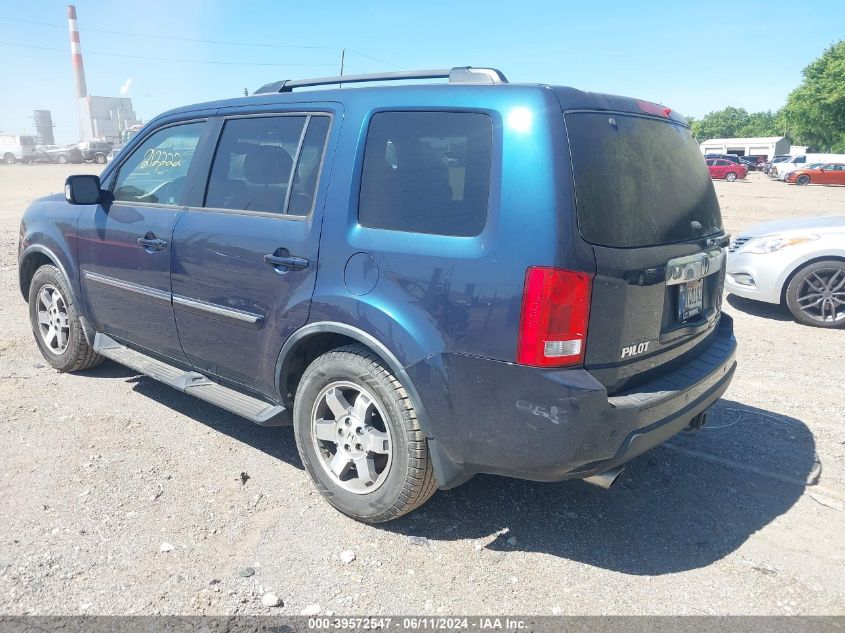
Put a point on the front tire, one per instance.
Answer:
(100, 159)
(9, 159)
(730, 176)
(62, 160)
(359, 438)
(55, 323)
(803, 179)
(816, 294)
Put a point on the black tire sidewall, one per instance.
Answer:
(76, 337)
(358, 370)
(802, 180)
(792, 293)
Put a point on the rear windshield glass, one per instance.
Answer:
(639, 181)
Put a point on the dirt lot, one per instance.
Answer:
(100, 469)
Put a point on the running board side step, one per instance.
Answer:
(193, 383)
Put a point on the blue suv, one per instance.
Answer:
(428, 281)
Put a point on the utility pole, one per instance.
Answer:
(342, 58)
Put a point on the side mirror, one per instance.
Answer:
(83, 189)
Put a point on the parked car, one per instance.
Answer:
(466, 318)
(730, 157)
(777, 159)
(781, 170)
(750, 164)
(721, 168)
(16, 148)
(799, 263)
(818, 174)
(59, 154)
(94, 151)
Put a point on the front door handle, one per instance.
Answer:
(286, 263)
(151, 243)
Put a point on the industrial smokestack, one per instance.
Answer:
(43, 127)
(76, 53)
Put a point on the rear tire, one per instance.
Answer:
(100, 159)
(62, 159)
(803, 179)
(730, 176)
(816, 294)
(55, 323)
(351, 413)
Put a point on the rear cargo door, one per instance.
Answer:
(646, 203)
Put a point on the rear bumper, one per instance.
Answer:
(524, 422)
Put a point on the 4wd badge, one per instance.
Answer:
(633, 350)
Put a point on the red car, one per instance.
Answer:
(721, 168)
(825, 174)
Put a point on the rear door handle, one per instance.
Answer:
(286, 263)
(151, 243)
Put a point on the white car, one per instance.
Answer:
(799, 263)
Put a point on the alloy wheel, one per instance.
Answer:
(53, 321)
(821, 295)
(351, 437)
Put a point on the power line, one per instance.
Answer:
(166, 59)
(169, 37)
(202, 41)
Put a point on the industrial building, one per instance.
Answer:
(768, 146)
(100, 118)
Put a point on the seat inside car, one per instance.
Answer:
(267, 170)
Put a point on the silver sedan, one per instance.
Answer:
(799, 263)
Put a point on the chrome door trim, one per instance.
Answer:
(158, 296)
(233, 315)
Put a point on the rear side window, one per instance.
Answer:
(427, 172)
(308, 167)
(639, 181)
(253, 167)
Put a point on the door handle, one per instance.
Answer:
(151, 243)
(286, 263)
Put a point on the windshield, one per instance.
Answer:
(639, 181)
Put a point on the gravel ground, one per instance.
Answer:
(120, 495)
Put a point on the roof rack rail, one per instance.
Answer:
(457, 75)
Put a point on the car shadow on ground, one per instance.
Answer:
(773, 311)
(277, 442)
(678, 507)
(681, 506)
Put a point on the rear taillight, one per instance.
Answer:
(553, 323)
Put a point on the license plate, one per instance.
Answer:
(690, 299)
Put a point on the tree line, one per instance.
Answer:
(814, 113)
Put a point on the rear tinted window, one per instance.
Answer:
(254, 163)
(639, 181)
(427, 172)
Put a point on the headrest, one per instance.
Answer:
(267, 165)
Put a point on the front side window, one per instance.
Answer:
(427, 172)
(157, 170)
(253, 167)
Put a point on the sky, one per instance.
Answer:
(694, 57)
